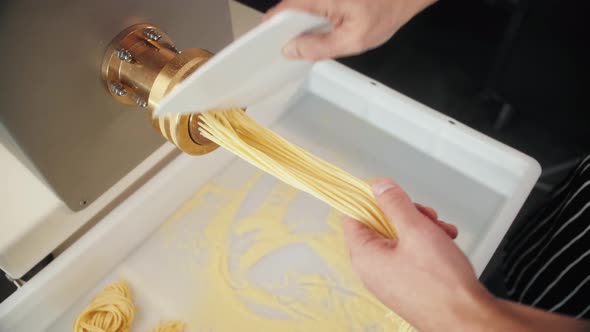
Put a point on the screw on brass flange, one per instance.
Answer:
(140, 102)
(118, 89)
(152, 34)
(124, 55)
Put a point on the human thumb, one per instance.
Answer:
(395, 204)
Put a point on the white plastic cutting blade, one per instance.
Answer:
(247, 70)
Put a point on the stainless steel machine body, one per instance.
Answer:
(77, 138)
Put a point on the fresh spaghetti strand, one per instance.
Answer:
(112, 310)
(260, 146)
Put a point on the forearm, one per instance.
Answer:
(481, 311)
(492, 314)
(540, 320)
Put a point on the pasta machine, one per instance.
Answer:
(89, 180)
(69, 151)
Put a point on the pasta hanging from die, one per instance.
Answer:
(260, 146)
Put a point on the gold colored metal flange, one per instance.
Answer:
(141, 66)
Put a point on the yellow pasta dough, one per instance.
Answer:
(112, 310)
(260, 146)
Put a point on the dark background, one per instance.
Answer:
(514, 70)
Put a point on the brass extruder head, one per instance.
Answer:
(141, 66)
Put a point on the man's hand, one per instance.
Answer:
(426, 279)
(423, 276)
(359, 25)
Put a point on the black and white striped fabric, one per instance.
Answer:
(547, 262)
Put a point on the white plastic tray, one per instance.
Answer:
(364, 127)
